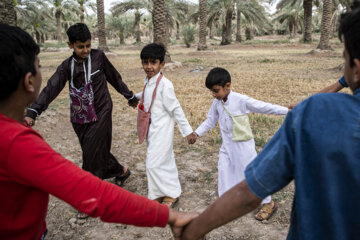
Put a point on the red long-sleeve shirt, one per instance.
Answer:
(30, 170)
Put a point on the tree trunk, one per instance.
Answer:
(137, 26)
(227, 27)
(325, 26)
(42, 38)
(37, 36)
(248, 33)
(82, 15)
(101, 26)
(238, 25)
(333, 23)
(177, 30)
(159, 22)
(307, 5)
(7, 12)
(121, 36)
(58, 25)
(202, 28)
(210, 32)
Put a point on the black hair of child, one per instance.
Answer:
(153, 51)
(18, 53)
(217, 76)
(78, 32)
(350, 29)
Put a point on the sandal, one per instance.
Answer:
(170, 202)
(81, 215)
(265, 212)
(120, 180)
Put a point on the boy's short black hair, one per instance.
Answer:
(217, 76)
(78, 32)
(153, 51)
(18, 52)
(350, 30)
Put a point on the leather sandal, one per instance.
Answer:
(265, 212)
(170, 202)
(120, 180)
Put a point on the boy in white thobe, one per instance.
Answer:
(162, 175)
(234, 156)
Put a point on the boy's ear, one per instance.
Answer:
(357, 70)
(29, 83)
(228, 85)
(71, 46)
(162, 64)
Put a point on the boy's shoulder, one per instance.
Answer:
(166, 82)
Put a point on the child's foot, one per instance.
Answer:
(120, 180)
(170, 202)
(81, 215)
(266, 211)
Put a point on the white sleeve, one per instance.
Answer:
(138, 95)
(172, 105)
(257, 106)
(210, 122)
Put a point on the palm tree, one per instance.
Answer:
(290, 17)
(58, 9)
(254, 16)
(307, 5)
(159, 21)
(122, 7)
(325, 26)
(118, 24)
(101, 26)
(7, 12)
(202, 28)
(83, 5)
(35, 18)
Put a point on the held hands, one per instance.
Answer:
(191, 138)
(291, 106)
(133, 102)
(178, 220)
(29, 121)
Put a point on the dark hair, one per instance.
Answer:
(153, 51)
(350, 29)
(18, 52)
(217, 76)
(78, 32)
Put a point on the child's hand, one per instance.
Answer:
(29, 121)
(133, 103)
(192, 138)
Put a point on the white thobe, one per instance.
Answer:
(234, 156)
(161, 170)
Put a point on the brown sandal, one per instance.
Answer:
(265, 212)
(170, 202)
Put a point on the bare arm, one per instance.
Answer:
(238, 201)
(332, 88)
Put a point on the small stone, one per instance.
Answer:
(72, 221)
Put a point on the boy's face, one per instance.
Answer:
(152, 67)
(221, 93)
(81, 49)
(352, 74)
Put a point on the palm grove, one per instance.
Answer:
(172, 21)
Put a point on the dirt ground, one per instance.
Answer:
(265, 69)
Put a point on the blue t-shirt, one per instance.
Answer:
(319, 146)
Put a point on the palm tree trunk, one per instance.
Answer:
(38, 38)
(7, 12)
(333, 23)
(58, 25)
(307, 5)
(82, 15)
(210, 31)
(177, 30)
(202, 28)
(238, 25)
(101, 26)
(159, 22)
(227, 35)
(137, 26)
(325, 26)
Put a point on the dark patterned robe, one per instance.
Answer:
(95, 137)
